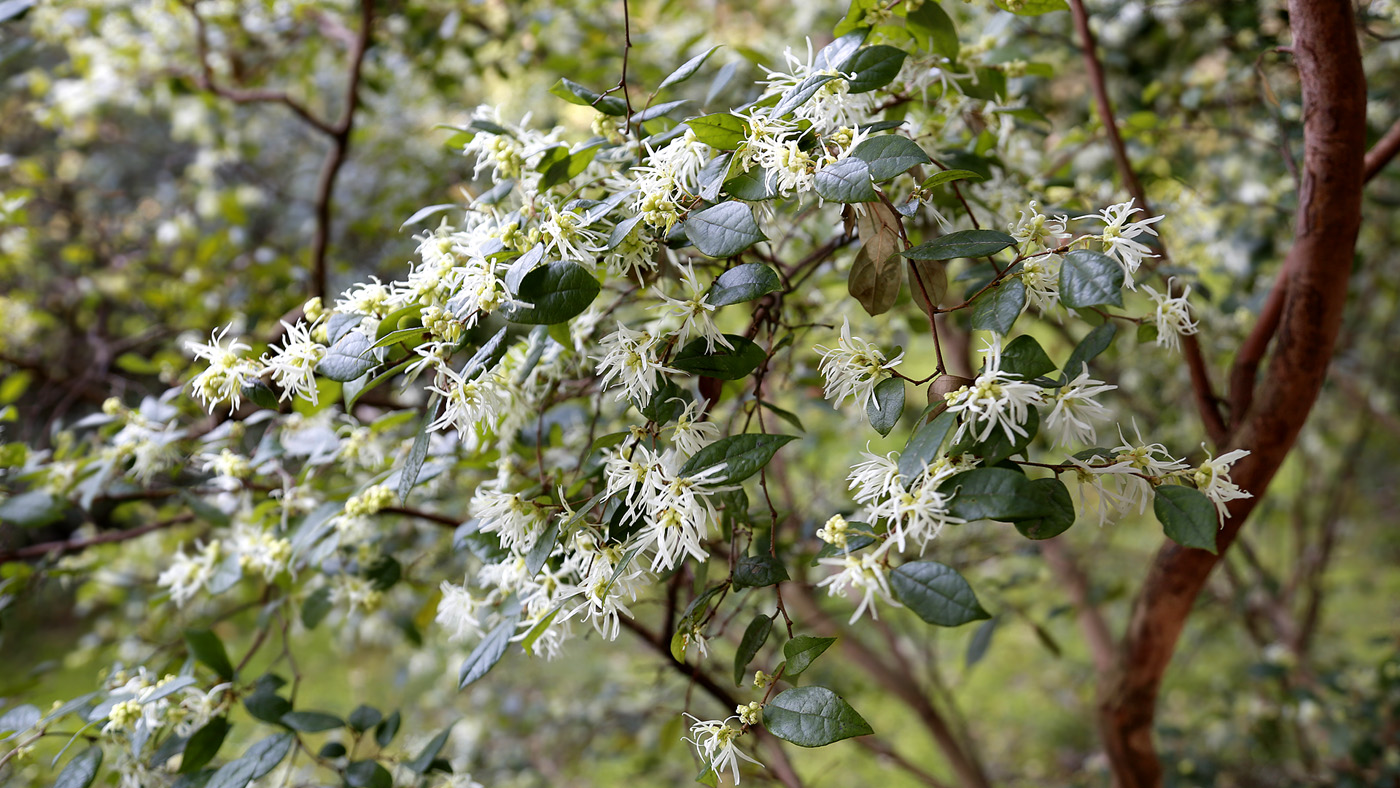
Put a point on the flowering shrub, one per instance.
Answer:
(588, 373)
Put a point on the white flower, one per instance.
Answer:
(629, 357)
(565, 237)
(223, 380)
(995, 399)
(457, 612)
(1035, 231)
(714, 740)
(853, 368)
(516, 521)
(1072, 419)
(467, 403)
(1213, 479)
(865, 574)
(1041, 276)
(259, 551)
(689, 434)
(1119, 236)
(293, 365)
(1108, 483)
(696, 313)
(188, 574)
(1173, 316)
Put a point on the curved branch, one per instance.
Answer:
(1310, 317)
(77, 545)
(1206, 402)
(1382, 152)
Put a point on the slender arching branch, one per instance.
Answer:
(1310, 316)
(1383, 151)
(1206, 402)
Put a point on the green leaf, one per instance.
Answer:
(889, 155)
(742, 456)
(753, 186)
(1032, 7)
(260, 394)
(846, 181)
(363, 718)
(785, 415)
(556, 292)
(316, 607)
(964, 243)
(575, 93)
(311, 721)
(723, 230)
(924, 444)
(1056, 506)
(801, 652)
(836, 54)
(948, 176)
(658, 110)
(267, 753)
(267, 705)
(1090, 279)
(854, 543)
(82, 770)
(756, 571)
(206, 648)
(385, 731)
(487, 653)
(424, 759)
(981, 640)
(996, 309)
(1187, 515)
(384, 573)
(936, 593)
(812, 717)
(413, 464)
(743, 283)
(1025, 357)
(1093, 343)
(203, 745)
(885, 408)
(720, 131)
(234, 774)
(723, 363)
(558, 164)
(874, 67)
(933, 29)
(799, 94)
(19, 718)
(349, 358)
(989, 494)
(665, 404)
(523, 265)
(368, 774)
(755, 635)
(686, 70)
(540, 550)
(32, 509)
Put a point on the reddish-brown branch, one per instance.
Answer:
(1382, 152)
(77, 545)
(1310, 316)
(1091, 620)
(340, 148)
(1206, 402)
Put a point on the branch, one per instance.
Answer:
(340, 146)
(78, 545)
(1091, 620)
(1310, 317)
(1384, 150)
(206, 80)
(1206, 401)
